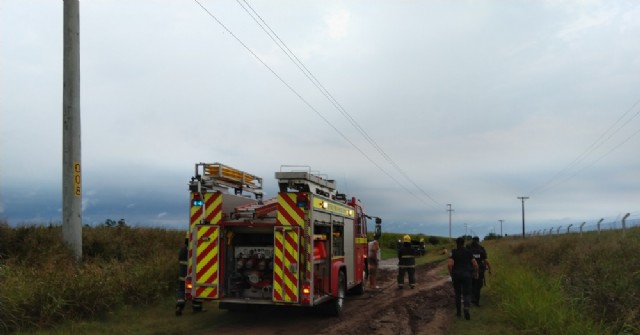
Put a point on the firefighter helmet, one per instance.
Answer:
(406, 239)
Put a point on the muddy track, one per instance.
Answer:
(426, 309)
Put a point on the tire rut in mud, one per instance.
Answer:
(427, 309)
(423, 310)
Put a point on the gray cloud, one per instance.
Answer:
(478, 103)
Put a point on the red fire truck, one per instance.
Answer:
(305, 247)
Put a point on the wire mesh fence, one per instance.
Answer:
(621, 222)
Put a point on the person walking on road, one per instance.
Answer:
(373, 259)
(480, 255)
(462, 268)
(406, 262)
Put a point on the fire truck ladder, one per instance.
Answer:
(220, 176)
(305, 181)
(260, 210)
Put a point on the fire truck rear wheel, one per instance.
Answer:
(358, 289)
(336, 306)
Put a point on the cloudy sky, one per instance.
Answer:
(408, 105)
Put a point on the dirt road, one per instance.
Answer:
(425, 309)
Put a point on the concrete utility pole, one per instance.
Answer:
(523, 199)
(449, 210)
(71, 159)
(501, 228)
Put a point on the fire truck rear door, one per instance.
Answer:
(286, 260)
(206, 254)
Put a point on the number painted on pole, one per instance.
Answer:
(77, 179)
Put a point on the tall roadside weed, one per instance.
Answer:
(42, 285)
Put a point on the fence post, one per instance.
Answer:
(558, 231)
(569, 228)
(599, 222)
(582, 225)
(624, 224)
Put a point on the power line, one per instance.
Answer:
(291, 55)
(590, 150)
(304, 100)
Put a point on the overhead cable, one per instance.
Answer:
(305, 101)
(282, 45)
(602, 139)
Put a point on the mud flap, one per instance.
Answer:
(286, 264)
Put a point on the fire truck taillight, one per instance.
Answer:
(302, 200)
(188, 284)
(197, 199)
(306, 293)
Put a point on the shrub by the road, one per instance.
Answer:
(43, 285)
(571, 284)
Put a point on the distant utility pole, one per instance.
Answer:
(71, 167)
(501, 227)
(523, 199)
(449, 210)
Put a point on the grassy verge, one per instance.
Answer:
(42, 286)
(157, 319)
(532, 291)
(433, 255)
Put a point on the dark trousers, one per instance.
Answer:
(476, 286)
(462, 289)
(180, 292)
(411, 272)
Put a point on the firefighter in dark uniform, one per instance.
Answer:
(480, 254)
(406, 263)
(183, 259)
(462, 268)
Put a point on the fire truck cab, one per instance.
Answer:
(305, 247)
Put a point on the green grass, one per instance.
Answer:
(154, 319)
(42, 285)
(573, 284)
(485, 320)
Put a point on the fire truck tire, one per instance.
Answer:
(358, 289)
(336, 305)
(196, 306)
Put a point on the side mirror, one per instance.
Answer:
(378, 230)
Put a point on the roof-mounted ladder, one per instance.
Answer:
(305, 181)
(218, 175)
